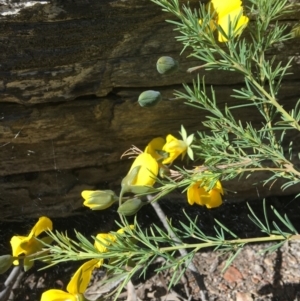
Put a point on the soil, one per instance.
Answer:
(253, 275)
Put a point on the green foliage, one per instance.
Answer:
(232, 147)
(139, 248)
(228, 148)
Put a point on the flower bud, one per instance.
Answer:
(5, 262)
(131, 207)
(149, 98)
(166, 65)
(99, 199)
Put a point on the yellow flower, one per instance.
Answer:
(27, 245)
(80, 280)
(174, 148)
(147, 172)
(200, 195)
(154, 146)
(103, 240)
(76, 286)
(227, 12)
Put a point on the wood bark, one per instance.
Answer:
(70, 76)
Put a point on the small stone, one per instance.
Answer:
(256, 279)
(41, 283)
(243, 297)
(268, 262)
(223, 287)
(232, 274)
(250, 253)
(214, 265)
(59, 283)
(31, 281)
(258, 269)
(291, 259)
(295, 272)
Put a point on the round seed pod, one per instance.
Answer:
(149, 98)
(166, 65)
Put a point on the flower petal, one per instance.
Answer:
(43, 224)
(223, 21)
(24, 245)
(122, 230)
(175, 148)
(219, 187)
(215, 199)
(147, 172)
(16, 242)
(58, 295)
(155, 145)
(225, 7)
(103, 240)
(82, 276)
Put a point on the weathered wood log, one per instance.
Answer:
(71, 73)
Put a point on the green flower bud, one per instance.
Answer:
(99, 199)
(149, 98)
(131, 207)
(166, 65)
(5, 262)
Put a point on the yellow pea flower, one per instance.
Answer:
(27, 245)
(76, 286)
(80, 280)
(147, 172)
(174, 148)
(225, 13)
(105, 239)
(200, 195)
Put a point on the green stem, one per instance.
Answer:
(123, 190)
(262, 169)
(230, 242)
(266, 106)
(289, 168)
(274, 102)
